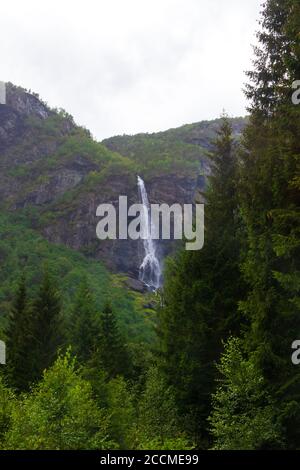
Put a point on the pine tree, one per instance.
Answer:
(46, 326)
(19, 368)
(202, 290)
(111, 353)
(276, 63)
(84, 329)
(269, 201)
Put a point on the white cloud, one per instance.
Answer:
(131, 66)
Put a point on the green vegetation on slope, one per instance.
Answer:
(23, 250)
(234, 304)
(182, 150)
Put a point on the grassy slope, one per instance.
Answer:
(22, 249)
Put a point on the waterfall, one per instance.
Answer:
(150, 269)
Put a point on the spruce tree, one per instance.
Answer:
(201, 292)
(111, 354)
(46, 326)
(276, 63)
(19, 367)
(84, 328)
(269, 201)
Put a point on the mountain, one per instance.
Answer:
(54, 174)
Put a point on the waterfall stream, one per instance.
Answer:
(150, 269)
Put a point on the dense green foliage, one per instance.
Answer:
(19, 335)
(269, 200)
(243, 416)
(85, 369)
(83, 328)
(111, 353)
(245, 281)
(23, 250)
(201, 294)
(60, 413)
(181, 151)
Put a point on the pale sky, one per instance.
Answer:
(128, 66)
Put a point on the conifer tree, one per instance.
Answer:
(19, 367)
(84, 329)
(201, 293)
(46, 326)
(276, 63)
(269, 200)
(111, 353)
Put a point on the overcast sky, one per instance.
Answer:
(128, 66)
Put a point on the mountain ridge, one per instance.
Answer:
(54, 173)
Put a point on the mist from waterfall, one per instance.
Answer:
(150, 269)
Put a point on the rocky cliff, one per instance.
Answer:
(55, 175)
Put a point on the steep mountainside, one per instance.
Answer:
(54, 175)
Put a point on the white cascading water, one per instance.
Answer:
(150, 269)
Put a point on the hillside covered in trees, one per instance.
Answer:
(205, 362)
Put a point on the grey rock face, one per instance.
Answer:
(24, 103)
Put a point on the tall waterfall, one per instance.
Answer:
(150, 269)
